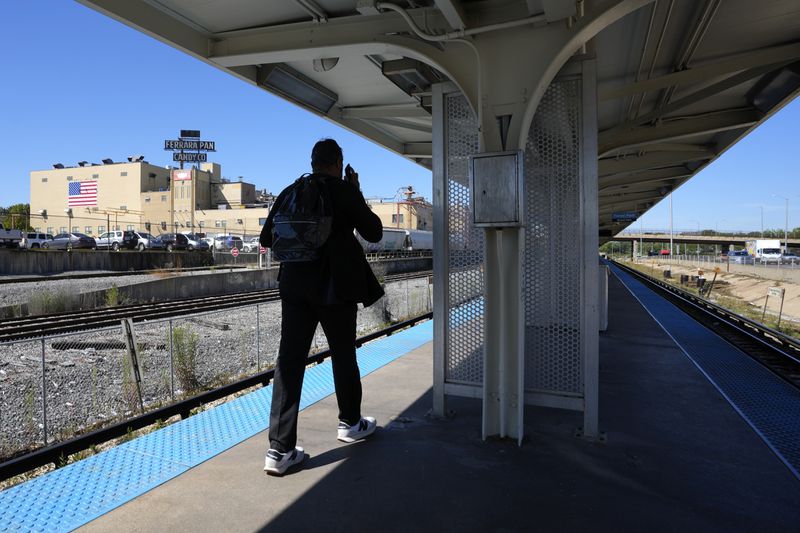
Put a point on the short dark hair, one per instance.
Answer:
(326, 152)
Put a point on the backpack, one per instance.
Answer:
(302, 221)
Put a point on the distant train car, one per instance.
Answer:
(419, 240)
(393, 241)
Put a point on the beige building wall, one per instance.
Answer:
(119, 198)
(234, 194)
(404, 215)
(143, 197)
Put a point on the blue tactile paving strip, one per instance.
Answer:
(69, 497)
(766, 402)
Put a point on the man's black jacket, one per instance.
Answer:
(343, 274)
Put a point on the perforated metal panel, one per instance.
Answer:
(464, 343)
(552, 274)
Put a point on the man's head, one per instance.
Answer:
(327, 158)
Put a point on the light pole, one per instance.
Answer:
(785, 224)
(670, 227)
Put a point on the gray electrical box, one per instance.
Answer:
(495, 180)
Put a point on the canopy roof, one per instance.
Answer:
(679, 81)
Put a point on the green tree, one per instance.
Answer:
(16, 216)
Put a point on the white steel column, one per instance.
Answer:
(590, 293)
(504, 358)
(440, 252)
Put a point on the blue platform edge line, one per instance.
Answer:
(767, 403)
(72, 496)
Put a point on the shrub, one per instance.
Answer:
(185, 358)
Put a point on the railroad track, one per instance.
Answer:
(29, 328)
(775, 350)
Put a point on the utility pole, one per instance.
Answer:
(785, 225)
(670, 226)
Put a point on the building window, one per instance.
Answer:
(116, 228)
(202, 223)
(37, 229)
(262, 221)
(44, 180)
(130, 227)
(123, 173)
(397, 219)
(50, 230)
(62, 229)
(87, 230)
(147, 226)
(147, 200)
(217, 223)
(75, 229)
(69, 178)
(95, 176)
(101, 229)
(163, 225)
(163, 197)
(124, 207)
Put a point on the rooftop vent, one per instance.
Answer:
(108, 161)
(82, 163)
(58, 165)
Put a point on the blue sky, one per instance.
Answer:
(78, 85)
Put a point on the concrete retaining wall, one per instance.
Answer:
(35, 262)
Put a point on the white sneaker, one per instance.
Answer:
(276, 463)
(365, 427)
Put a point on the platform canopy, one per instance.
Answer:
(679, 81)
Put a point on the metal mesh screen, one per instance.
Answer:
(552, 272)
(464, 344)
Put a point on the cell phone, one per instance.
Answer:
(348, 171)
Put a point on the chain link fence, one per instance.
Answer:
(60, 386)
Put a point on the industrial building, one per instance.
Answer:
(95, 198)
(412, 212)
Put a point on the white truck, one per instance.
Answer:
(10, 237)
(764, 250)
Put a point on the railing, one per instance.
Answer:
(59, 386)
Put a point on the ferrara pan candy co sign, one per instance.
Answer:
(189, 148)
(202, 146)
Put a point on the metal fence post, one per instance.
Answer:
(44, 397)
(258, 337)
(171, 363)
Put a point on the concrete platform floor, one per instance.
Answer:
(678, 458)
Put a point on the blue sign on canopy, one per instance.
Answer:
(624, 216)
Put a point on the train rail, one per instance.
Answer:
(28, 328)
(56, 453)
(775, 350)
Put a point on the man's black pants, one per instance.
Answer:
(298, 324)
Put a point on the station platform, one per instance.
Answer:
(678, 457)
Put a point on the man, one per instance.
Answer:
(323, 291)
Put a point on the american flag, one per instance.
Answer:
(81, 193)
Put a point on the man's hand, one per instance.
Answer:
(352, 177)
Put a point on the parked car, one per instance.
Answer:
(251, 246)
(111, 239)
(35, 240)
(136, 240)
(70, 241)
(739, 256)
(10, 237)
(228, 242)
(663, 252)
(791, 258)
(174, 241)
(196, 242)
